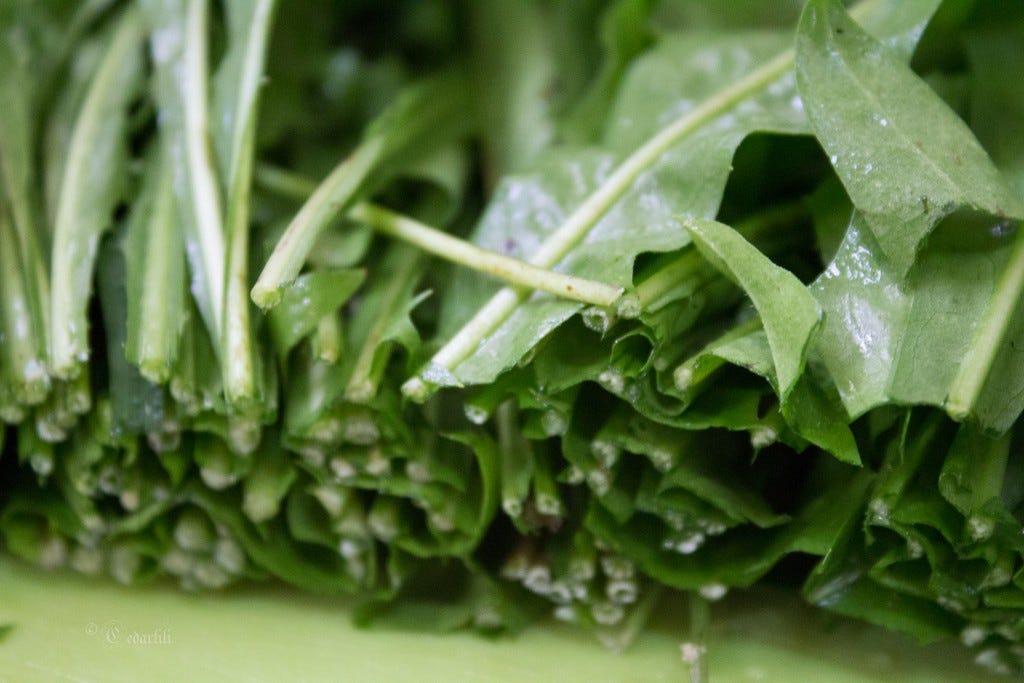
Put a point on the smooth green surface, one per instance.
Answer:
(904, 156)
(68, 628)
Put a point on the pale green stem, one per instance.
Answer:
(76, 242)
(202, 178)
(453, 249)
(362, 385)
(26, 375)
(238, 344)
(157, 344)
(328, 339)
(500, 266)
(248, 89)
(584, 218)
(421, 119)
(291, 250)
(17, 174)
(989, 337)
(33, 263)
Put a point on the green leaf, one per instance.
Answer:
(885, 339)
(272, 548)
(617, 204)
(92, 183)
(740, 556)
(179, 46)
(307, 301)
(422, 119)
(676, 131)
(904, 157)
(812, 409)
(19, 131)
(789, 313)
(154, 253)
(235, 90)
(519, 217)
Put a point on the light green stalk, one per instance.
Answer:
(23, 368)
(328, 340)
(989, 337)
(155, 261)
(443, 245)
(365, 378)
(16, 181)
(291, 251)
(87, 195)
(179, 46)
(250, 21)
(424, 118)
(588, 214)
(492, 263)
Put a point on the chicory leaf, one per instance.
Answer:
(154, 252)
(304, 304)
(235, 91)
(905, 158)
(789, 314)
(885, 339)
(424, 118)
(93, 180)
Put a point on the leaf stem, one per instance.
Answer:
(75, 237)
(238, 346)
(22, 367)
(421, 119)
(363, 382)
(467, 254)
(202, 179)
(237, 350)
(977, 363)
(328, 339)
(443, 245)
(155, 350)
(179, 48)
(587, 215)
(289, 254)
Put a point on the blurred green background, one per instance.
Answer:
(68, 628)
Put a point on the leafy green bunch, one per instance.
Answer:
(481, 311)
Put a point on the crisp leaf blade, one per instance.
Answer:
(906, 159)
